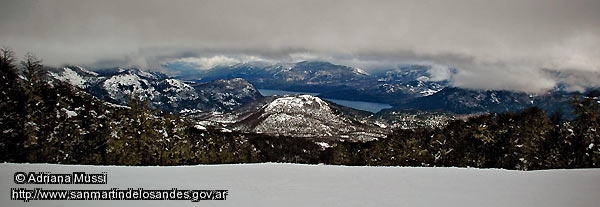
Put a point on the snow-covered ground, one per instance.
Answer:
(318, 185)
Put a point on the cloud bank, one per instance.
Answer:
(204, 63)
(493, 44)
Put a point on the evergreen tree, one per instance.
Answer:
(32, 70)
(559, 151)
(587, 130)
(341, 155)
(534, 128)
(121, 145)
(12, 110)
(38, 147)
(173, 148)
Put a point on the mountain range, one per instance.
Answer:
(464, 101)
(225, 97)
(331, 80)
(408, 87)
(235, 105)
(117, 85)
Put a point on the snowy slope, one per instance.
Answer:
(302, 114)
(118, 84)
(76, 76)
(412, 79)
(297, 116)
(314, 185)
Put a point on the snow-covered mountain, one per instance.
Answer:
(320, 73)
(298, 116)
(420, 87)
(334, 81)
(465, 101)
(236, 105)
(305, 72)
(405, 87)
(118, 85)
(412, 79)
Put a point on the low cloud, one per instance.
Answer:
(579, 80)
(204, 63)
(502, 77)
(439, 73)
(492, 44)
(195, 64)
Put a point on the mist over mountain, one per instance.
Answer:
(494, 46)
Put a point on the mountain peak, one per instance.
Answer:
(306, 116)
(359, 71)
(297, 104)
(316, 62)
(317, 65)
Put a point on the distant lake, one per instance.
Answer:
(360, 105)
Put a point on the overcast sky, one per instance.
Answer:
(509, 44)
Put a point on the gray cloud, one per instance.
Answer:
(493, 44)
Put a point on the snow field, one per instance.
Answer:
(274, 184)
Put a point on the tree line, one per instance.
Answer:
(528, 140)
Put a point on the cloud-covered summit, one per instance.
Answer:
(493, 44)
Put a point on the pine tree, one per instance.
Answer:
(535, 128)
(121, 145)
(12, 110)
(557, 145)
(39, 148)
(173, 147)
(587, 130)
(32, 70)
